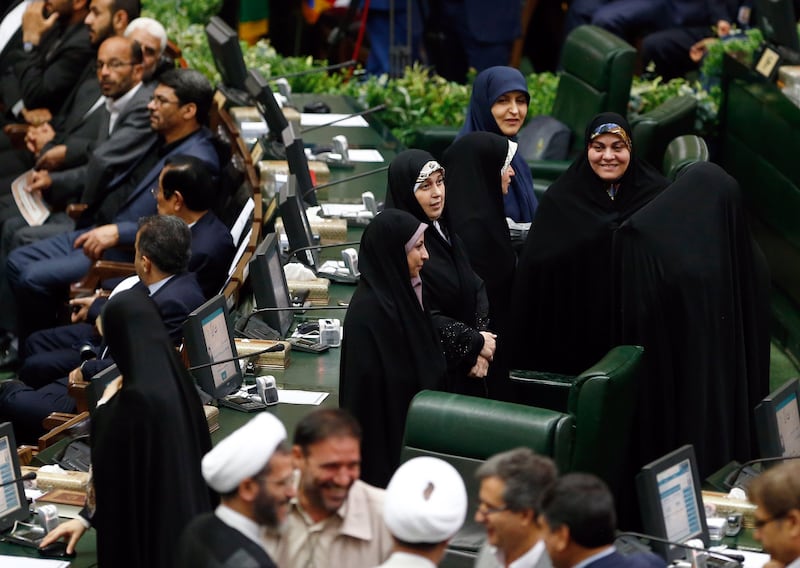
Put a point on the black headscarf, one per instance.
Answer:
(563, 291)
(147, 442)
(694, 291)
(520, 202)
(390, 351)
(451, 287)
(475, 203)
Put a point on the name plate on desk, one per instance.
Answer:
(767, 61)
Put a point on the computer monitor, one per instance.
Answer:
(13, 505)
(227, 53)
(280, 129)
(269, 285)
(778, 22)
(778, 422)
(208, 337)
(671, 501)
(297, 227)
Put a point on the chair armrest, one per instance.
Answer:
(77, 391)
(74, 210)
(67, 422)
(548, 169)
(101, 270)
(25, 454)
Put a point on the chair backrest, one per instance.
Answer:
(596, 77)
(652, 131)
(603, 400)
(681, 152)
(465, 431)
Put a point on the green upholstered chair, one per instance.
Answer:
(602, 401)
(681, 152)
(653, 131)
(465, 431)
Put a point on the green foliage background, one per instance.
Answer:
(420, 98)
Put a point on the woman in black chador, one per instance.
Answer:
(480, 173)
(390, 351)
(147, 437)
(565, 283)
(454, 294)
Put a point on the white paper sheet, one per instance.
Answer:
(289, 396)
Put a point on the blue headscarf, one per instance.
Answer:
(520, 202)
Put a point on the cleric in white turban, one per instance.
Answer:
(425, 505)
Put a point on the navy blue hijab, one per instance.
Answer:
(520, 202)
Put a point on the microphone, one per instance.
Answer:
(271, 349)
(731, 479)
(355, 114)
(30, 476)
(343, 65)
(734, 559)
(286, 309)
(342, 180)
(294, 252)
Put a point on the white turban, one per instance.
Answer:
(425, 501)
(243, 453)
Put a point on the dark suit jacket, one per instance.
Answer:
(639, 560)
(13, 48)
(207, 542)
(212, 253)
(45, 76)
(131, 138)
(175, 300)
(141, 204)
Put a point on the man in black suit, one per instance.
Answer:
(162, 255)
(185, 191)
(56, 48)
(578, 521)
(252, 471)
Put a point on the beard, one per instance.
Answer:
(265, 509)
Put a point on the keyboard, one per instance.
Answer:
(241, 403)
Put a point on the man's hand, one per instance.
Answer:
(40, 181)
(53, 159)
(82, 305)
(489, 345)
(75, 376)
(723, 28)
(36, 116)
(34, 24)
(37, 136)
(97, 240)
(72, 529)
(480, 369)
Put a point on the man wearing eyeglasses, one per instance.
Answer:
(252, 471)
(776, 495)
(512, 483)
(39, 273)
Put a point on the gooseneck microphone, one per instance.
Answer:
(30, 476)
(286, 309)
(271, 349)
(325, 69)
(343, 180)
(731, 478)
(345, 117)
(735, 559)
(293, 253)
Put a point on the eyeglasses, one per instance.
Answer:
(761, 523)
(486, 509)
(114, 64)
(159, 100)
(149, 51)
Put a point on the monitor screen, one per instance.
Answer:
(269, 285)
(671, 501)
(208, 337)
(280, 128)
(227, 53)
(778, 422)
(297, 227)
(778, 22)
(13, 505)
